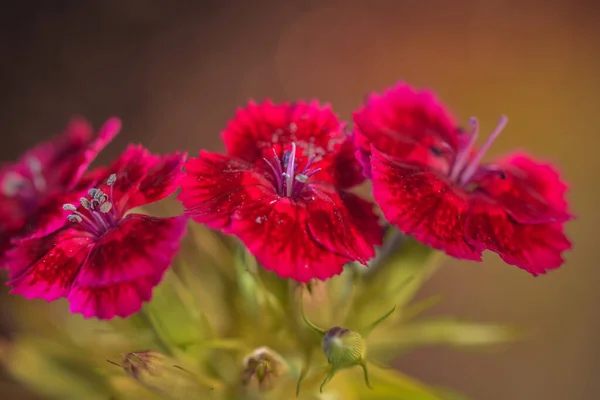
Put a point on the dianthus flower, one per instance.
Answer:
(33, 189)
(282, 190)
(104, 261)
(429, 180)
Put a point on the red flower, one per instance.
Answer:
(429, 181)
(103, 261)
(281, 189)
(32, 190)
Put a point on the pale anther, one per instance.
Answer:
(302, 178)
(111, 179)
(69, 207)
(74, 218)
(100, 196)
(85, 203)
(105, 207)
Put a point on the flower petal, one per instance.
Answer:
(342, 222)
(535, 248)
(142, 177)
(276, 232)
(530, 191)
(214, 186)
(80, 161)
(423, 204)
(407, 124)
(125, 265)
(12, 221)
(121, 299)
(54, 155)
(316, 130)
(140, 245)
(45, 267)
(64, 159)
(28, 197)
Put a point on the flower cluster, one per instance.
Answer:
(103, 260)
(284, 192)
(284, 188)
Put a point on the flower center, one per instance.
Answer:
(26, 187)
(99, 215)
(288, 181)
(465, 166)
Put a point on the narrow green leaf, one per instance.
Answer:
(438, 331)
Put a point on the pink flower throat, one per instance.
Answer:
(289, 182)
(465, 166)
(100, 210)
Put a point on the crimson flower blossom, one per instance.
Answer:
(104, 260)
(282, 189)
(430, 182)
(33, 189)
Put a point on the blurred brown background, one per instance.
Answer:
(175, 71)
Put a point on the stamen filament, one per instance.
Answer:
(470, 169)
(88, 223)
(113, 212)
(99, 219)
(463, 156)
(314, 171)
(288, 180)
(290, 171)
(277, 174)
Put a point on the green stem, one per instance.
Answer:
(313, 327)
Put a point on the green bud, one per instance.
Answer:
(262, 368)
(343, 347)
(160, 374)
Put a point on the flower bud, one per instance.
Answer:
(343, 347)
(160, 374)
(262, 368)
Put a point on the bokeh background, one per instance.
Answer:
(175, 71)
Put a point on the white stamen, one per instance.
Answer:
(92, 192)
(69, 207)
